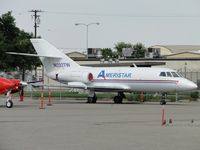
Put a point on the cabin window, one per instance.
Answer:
(169, 74)
(174, 74)
(163, 74)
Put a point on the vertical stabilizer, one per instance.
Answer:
(52, 57)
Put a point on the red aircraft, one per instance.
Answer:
(9, 86)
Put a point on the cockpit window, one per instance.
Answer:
(163, 74)
(180, 75)
(174, 74)
(169, 74)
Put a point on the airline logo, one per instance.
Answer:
(61, 64)
(105, 75)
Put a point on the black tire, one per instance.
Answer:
(92, 99)
(89, 100)
(117, 99)
(9, 104)
(162, 102)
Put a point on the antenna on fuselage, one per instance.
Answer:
(134, 65)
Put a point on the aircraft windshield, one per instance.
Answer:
(170, 74)
(163, 74)
(179, 74)
(175, 74)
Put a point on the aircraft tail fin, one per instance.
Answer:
(51, 56)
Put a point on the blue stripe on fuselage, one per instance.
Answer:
(137, 81)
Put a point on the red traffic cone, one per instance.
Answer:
(49, 100)
(42, 101)
(22, 95)
(163, 117)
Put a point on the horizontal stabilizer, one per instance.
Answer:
(32, 55)
(77, 85)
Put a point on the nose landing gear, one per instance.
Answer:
(163, 99)
(9, 103)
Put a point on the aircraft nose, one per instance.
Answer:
(23, 83)
(192, 86)
(186, 85)
(189, 85)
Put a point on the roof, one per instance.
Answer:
(76, 55)
(181, 48)
(122, 64)
(75, 52)
(182, 55)
(196, 53)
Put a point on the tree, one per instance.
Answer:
(15, 40)
(8, 33)
(106, 52)
(119, 46)
(2, 51)
(115, 54)
(139, 50)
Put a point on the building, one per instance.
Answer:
(94, 53)
(76, 55)
(184, 55)
(174, 51)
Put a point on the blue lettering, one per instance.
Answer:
(129, 75)
(108, 75)
(101, 74)
(104, 75)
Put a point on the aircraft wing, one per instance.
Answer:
(110, 87)
(80, 85)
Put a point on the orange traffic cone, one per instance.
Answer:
(163, 116)
(22, 95)
(49, 99)
(42, 101)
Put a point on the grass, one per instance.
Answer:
(152, 97)
(65, 94)
(157, 97)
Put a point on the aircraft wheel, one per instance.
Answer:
(118, 99)
(9, 104)
(92, 99)
(162, 102)
(89, 100)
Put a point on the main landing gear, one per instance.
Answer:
(92, 98)
(119, 98)
(163, 99)
(9, 103)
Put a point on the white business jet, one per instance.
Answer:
(61, 68)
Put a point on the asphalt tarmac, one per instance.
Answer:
(74, 125)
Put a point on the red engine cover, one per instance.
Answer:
(9, 84)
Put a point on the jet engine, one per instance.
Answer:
(84, 77)
(75, 76)
(87, 77)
